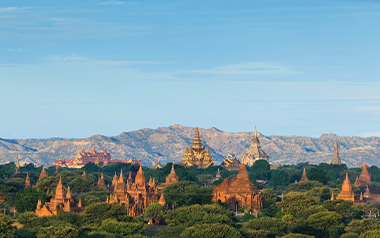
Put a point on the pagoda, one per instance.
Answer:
(27, 181)
(364, 178)
(254, 152)
(171, 178)
(238, 191)
(60, 201)
(231, 163)
(17, 168)
(43, 174)
(367, 193)
(137, 195)
(84, 175)
(218, 176)
(303, 177)
(197, 155)
(346, 194)
(336, 158)
(101, 184)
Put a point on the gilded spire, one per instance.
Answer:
(17, 168)
(121, 179)
(197, 143)
(332, 196)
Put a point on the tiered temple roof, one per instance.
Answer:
(137, 195)
(171, 178)
(364, 178)
(101, 184)
(231, 163)
(239, 190)
(197, 154)
(346, 193)
(336, 158)
(60, 201)
(83, 157)
(254, 152)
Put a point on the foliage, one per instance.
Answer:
(279, 178)
(295, 235)
(349, 235)
(6, 228)
(304, 186)
(345, 208)
(293, 203)
(211, 231)
(184, 193)
(260, 170)
(326, 224)
(322, 192)
(370, 234)
(269, 197)
(318, 174)
(48, 185)
(26, 199)
(25, 233)
(122, 228)
(265, 227)
(57, 232)
(155, 211)
(359, 226)
(95, 213)
(29, 220)
(94, 196)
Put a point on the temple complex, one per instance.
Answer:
(171, 178)
(60, 201)
(346, 194)
(303, 177)
(101, 184)
(17, 168)
(197, 154)
(336, 158)
(238, 192)
(83, 157)
(254, 152)
(43, 174)
(27, 181)
(137, 195)
(231, 163)
(364, 178)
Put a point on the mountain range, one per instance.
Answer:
(168, 144)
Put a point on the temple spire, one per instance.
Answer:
(304, 177)
(336, 157)
(27, 181)
(197, 143)
(162, 201)
(17, 168)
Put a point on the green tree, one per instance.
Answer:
(326, 224)
(260, 170)
(269, 197)
(123, 229)
(26, 199)
(57, 232)
(370, 234)
(264, 227)
(211, 231)
(6, 228)
(349, 235)
(184, 193)
(318, 175)
(295, 235)
(95, 213)
(304, 186)
(279, 178)
(293, 203)
(360, 226)
(345, 208)
(48, 185)
(155, 211)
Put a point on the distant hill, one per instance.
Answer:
(168, 144)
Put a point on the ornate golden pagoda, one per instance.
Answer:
(197, 154)
(17, 168)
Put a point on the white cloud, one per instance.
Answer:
(370, 134)
(112, 2)
(13, 9)
(248, 68)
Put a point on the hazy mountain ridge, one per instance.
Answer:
(168, 144)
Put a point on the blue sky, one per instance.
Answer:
(78, 68)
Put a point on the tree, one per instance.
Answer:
(295, 235)
(57, 232)
(349, 235)
(326, 224)
(211, 231)
(122, 228)
(95, 213)
(260, 170)
(345, 208)
(80, 185)
(48, 185)
(304, 186)
(155, 211)
(29, 220)
(370, 234)
(26, 199)
(360, 226)
(184, 193)
(293, 203)
(6, 228)
(264, 227)
(279, 178)
(269, 197)
(318, 175)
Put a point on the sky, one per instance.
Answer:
(77, 68)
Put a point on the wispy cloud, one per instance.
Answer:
(248, 68)
(112, 2)
(370, 134)
(13, 9)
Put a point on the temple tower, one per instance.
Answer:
(197, 154)
(101, 184)
(43, 174)
(17, 168)
(27, 181)
(336, 157)
(346, 193)
(60, 192)
(218, 176)
(162, 201)
(304, 177)
(254, 152)
(84, 175)
(364, 178)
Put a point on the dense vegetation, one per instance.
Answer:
(292, 210)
